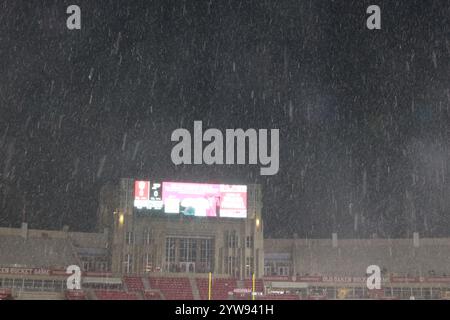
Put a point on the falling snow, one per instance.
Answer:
(363, 116)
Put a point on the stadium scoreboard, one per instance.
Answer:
(191, 199)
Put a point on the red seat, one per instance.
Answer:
(173, 288)
(5, 294)
(115, 295)
(152, 295)
(75, 295)
(220, 288)
(134, 283)
(259, 285)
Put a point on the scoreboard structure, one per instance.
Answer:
(191, 199)
(183, 227)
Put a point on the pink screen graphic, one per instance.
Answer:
(200, 200)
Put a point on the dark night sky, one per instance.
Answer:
(363, 115)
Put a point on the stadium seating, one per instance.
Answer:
(173, 288)
(219, 288)
(259, 285)
(152, 295)
(134, 284)
(5, 294)
(75, 295)
(279, 297)
(115, 295)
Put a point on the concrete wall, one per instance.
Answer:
(351, 257)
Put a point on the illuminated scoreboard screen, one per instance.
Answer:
(192, 199)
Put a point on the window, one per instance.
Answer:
(7, 283)
(148, 262)
(170, 250)
(192, 250)
(417, 292)
(147, 236)
(359, 293)
(232, 239)
(248, 266)
(267, 270)
(205, 250)
(232, 266)
(188, 250)
(49, 285)
(206, 255)
(101, 266)
(128, 263)
(249, 242)
(229, 264)
(426, 293)
(283, 271)
(29, 284)
(183, 250)
(129, 238)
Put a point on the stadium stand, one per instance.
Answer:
(33, 266)
(280, 297)
(259, 285)
(220, 288)
(173, 288)
(5, 294)
(152, 295)
(75, 295)
(134, 283)
(115, 295)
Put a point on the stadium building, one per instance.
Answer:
(162, 240)
(176, 227)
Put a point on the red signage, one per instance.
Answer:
(25, 271)
(344, 279)
(309, 279)
(438, 279)
(277, 278)
(396, 279)
(141, 190)
(48, 272)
